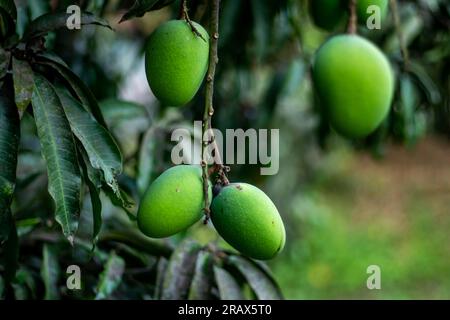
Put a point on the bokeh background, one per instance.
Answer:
(346, 204)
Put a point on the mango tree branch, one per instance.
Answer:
(209, 108)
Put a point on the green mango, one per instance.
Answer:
(362, 5)
(176, 61)
(248, 220)
(327, 14)
(355, 83)
(173, 202)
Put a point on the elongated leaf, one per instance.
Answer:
(9, 143)
(263, 286)
(111, 276)
(140, 7)
(180, 271)
(50, 272)
(11, 254)
(4, 62)
(23, 84)
(58, 149)
(9, 7)
(229, 288)
(53, 21)
(94, 193)
(103, 152)
(84, 94)
(202, 282)
(160, 275)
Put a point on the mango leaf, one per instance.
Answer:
(9, 143)
(263, 286)
(229, 288)
(53, 21)
(111, 276)
(82, 91)
(94, 194)
(202, 282)
(160, 275)
(9, 7)
(11, 254)
(4, 62)
(58, 149)
(23, 84)
(117, 111)
(50, 272)
(180, 271)
(140, 7)
(2, 287)
(24, 276)
(100, 147)
(427, 84)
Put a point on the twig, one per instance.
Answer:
(353, 20)
(209, 109)
(184, 15)
(399, 31)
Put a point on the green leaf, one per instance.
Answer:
(117, 111)
(263, 286)
(9, 143)
(82, 91)
(23, 84)
(429, 87)
(50, 272)
(202, 282)
(160, 275)
(11, 255)
(94, 194)
(103, 152)
(229, 288)
(53, 21)
(58, 149)
(180, 271)
(111, 276)
(9, 7)
(4, 62)
(140, 7)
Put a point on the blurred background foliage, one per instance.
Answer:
(346, 204)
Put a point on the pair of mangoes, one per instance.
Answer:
(241, 213)
(176, 61)
(327, 14)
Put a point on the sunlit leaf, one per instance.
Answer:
(58, 149)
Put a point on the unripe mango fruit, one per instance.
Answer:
(355, 84)
(327, 13)
(176, 61)
(248, 220)
(362, 5)
(173, 202)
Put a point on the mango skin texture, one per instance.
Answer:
(355, 84)
(248, 220)
(173, 202)
(327, 13)
(176, 61)
(362, 5)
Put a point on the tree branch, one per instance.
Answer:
(209, 108)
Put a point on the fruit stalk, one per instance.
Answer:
(353, 21)
(209, 108)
